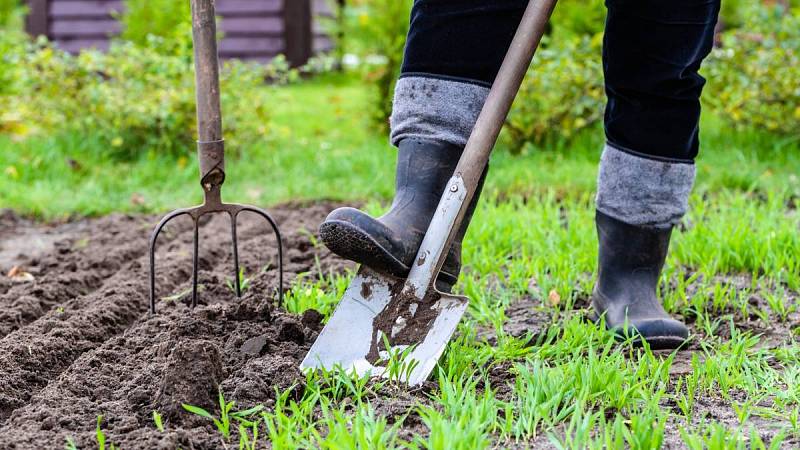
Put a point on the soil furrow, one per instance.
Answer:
(79, 263)
(176, 357)
(70, 349)
(33, 355)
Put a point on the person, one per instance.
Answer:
(652, 52)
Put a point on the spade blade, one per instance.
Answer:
(373, 312)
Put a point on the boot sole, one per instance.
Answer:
(637, 341)
(350, 242)
(661, 342)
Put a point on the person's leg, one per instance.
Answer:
(453, 52)
(651, 56)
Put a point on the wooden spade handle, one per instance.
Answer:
(210, 148)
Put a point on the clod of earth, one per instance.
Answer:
(405, 321)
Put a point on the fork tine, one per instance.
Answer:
(153, 239)
(235, 242)
(279, 240)
(195, 263)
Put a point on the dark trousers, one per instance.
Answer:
(651, 56)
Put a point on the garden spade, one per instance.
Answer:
(398, 328)
(211, 154)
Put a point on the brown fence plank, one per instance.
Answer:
(322, 44)
(235, 8)
(250, 46)
(84, 28)
(84, 9)
(36, 22)
(253, 29)
(76, 45)
(244, 26)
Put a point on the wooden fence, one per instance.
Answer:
(252, 29)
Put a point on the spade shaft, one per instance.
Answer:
(461, 187)
(210, 145)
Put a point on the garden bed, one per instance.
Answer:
(77, 342)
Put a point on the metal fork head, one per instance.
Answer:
(212, 204)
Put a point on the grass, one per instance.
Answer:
(733, 273)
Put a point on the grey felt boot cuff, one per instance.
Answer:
(440, 110)
(641, 191)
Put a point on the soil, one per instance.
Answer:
(78, 341)
(405, 320)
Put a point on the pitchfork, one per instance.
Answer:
(211, 153)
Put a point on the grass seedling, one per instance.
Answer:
(779, 303)
(756, 443)
(338, 384)
(686, 390)
(223, 422)
(157, 420)
(182, 294)
(248, 436)
(292, 424)
(244, 282)
(578, 433)
(399, 365)
(101, 436)
(70, 445)
(358, 429)
(743, 410)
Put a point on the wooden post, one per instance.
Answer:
(339, 41)
(36, 23)
(298, 31)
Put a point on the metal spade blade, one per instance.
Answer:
(353, 338)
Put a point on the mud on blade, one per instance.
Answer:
(373, 311)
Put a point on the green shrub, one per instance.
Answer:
(562, 93)
(133, 98)
(11, 12)
(578, 18)
(168, 19)
(754, 79)
(376, 31)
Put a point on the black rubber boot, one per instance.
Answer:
(390, 242)
(630, 263)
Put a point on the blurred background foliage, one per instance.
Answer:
(754, 76)
(169, 20)
(138, 97)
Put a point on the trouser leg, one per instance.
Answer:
(453, 53)
(651, 56)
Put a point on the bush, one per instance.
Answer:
(376, 31)
(168, 19)
(562, 93)
(573, 18)
(754, 78)
(133, 98)
(12, 13)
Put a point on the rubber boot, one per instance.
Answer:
(630, 263)
(390, 243)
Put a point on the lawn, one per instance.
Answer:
(527, 369)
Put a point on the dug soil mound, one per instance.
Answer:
(77, 341)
